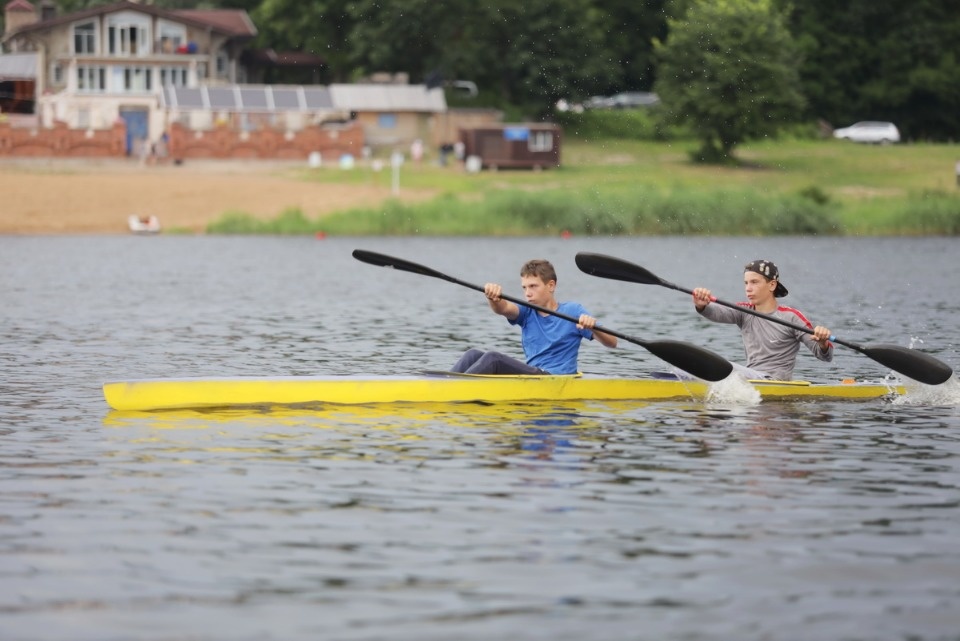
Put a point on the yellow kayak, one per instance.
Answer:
(195, 393)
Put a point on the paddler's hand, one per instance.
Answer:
(586, 322)
(492, 291)
(822, 334)
(702, 297)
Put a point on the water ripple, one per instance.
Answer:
(674, 520)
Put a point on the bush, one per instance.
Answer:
(289, 222)
(630, 124)
(931, 212)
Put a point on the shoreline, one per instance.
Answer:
(95, 196)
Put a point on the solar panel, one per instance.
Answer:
(254, 99)
(317, 98)
(222, 98)
(286, 99)
(186, 98)
(276, 98)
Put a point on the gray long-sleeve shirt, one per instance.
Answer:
(770, 347)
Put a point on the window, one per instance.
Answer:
(175, 76)
(85, 38)
(126, 40)
(387, 121)
(540, 141)
(91, 79)
(222, 64)
(136, 79)
(171, 37)
(56, 73)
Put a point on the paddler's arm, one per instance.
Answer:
(821, 337)
(503, 307)
(589, 322)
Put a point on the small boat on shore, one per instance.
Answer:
(439, 387)
(144, 225)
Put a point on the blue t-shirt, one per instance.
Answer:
(549, 342)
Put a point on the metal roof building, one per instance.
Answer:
(388, 97)
(18, 66)
(338, 97)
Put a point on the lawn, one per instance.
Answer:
(642, 187)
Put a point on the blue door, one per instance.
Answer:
(136, 121)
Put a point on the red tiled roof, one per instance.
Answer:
(284, 58)
(233, 22)
(19, 5)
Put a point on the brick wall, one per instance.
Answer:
(224, 142)
(62, 142)
(221, 142)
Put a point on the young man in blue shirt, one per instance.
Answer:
(550, 344)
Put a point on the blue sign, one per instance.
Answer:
(516, 133)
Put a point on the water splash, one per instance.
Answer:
(919, 394)
(733, 390)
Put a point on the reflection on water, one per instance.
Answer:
(730, 519)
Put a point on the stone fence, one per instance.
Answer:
(62, 142)
(59, 141)
(331, 141)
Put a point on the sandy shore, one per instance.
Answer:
(48, 196)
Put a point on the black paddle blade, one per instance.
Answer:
(615, 268)
(911, 363)
(698, 361)
(382, 260)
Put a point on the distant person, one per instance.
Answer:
(551, 344)
(446, 150)
(164, 147)
(416, 150)
(771, 348)
(144, 150)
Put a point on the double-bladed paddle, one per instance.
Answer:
(700, 362)
(909, 362)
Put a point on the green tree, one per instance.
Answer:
(881, 60)
(320, 27)
(729, 71)
(629, 30)
(527, 53)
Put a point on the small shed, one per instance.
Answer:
(525, 146)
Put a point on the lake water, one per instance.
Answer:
(672, 520)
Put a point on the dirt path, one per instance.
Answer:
(97, 196)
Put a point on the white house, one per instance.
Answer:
(108, 62)
(153, 68)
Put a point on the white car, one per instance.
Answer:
(869, 131)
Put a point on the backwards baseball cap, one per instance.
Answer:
(768, 270)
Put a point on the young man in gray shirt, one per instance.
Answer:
(771, 348)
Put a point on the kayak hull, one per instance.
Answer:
(195, 393)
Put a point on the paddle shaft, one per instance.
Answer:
(403, 265)
(772, 319)
(700, 362)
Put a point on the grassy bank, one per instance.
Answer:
(644, 187)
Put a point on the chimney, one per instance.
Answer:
(48, 10)
(17, 14)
